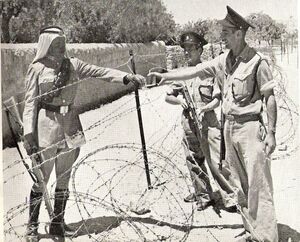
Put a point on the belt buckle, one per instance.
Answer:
(63, 110)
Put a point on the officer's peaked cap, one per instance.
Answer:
(234, 20)
(192, 38)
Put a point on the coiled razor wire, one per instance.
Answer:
(103, 191)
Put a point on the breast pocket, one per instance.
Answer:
(206, 92)
(242, 86)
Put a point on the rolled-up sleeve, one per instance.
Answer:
(174, 89)
(31, 101)
(265, 79)
(85, 70)
(218, 83)
(217, 91)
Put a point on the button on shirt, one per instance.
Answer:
(201, 90)
(239, 92)
(53, 127)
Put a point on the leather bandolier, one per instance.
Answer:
(59, 82)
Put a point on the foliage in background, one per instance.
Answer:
(140, 21)
(266, 29)
(9, 10)
(209, 28)
(115, 21)
(89, 21)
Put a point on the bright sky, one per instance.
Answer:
(192, 10)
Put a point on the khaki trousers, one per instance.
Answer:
(204, 155)
(63, 160)
(251, 176)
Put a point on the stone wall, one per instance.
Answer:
(91, 93)
(176, 59)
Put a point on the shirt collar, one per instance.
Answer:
(246, 54)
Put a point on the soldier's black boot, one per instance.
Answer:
(35, 201)
(57, 226)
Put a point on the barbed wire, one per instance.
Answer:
(167, 167)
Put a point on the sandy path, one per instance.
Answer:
(108, 179)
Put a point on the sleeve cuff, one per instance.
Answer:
(268, 86)
(125, 80)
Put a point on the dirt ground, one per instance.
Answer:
(108, 179)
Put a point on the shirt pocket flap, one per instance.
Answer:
(206, 92)
(242, 76)
(242, 85)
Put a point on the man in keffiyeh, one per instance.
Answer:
(51, 125)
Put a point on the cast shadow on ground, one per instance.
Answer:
(287, 234)
(101, 224)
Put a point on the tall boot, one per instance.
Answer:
(35, 201)
(57, 224)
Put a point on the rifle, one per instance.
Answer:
(18, 122)
(35, 173)
(192, 111)
(198, 128)
(211, 169)
(36, 162)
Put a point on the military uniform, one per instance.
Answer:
(247, 78)
(207, 150)
(50, 121)
(247, 82)
(202, 156)
(56, 123)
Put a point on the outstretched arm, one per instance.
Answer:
(208, 68)
(107, 74)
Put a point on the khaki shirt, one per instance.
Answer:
(240, 94)
(201, 90)
(51, 127)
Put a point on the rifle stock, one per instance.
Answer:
(213, 172)
(36, 161)
(192, 111)
(198, 129)
(36, 174)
